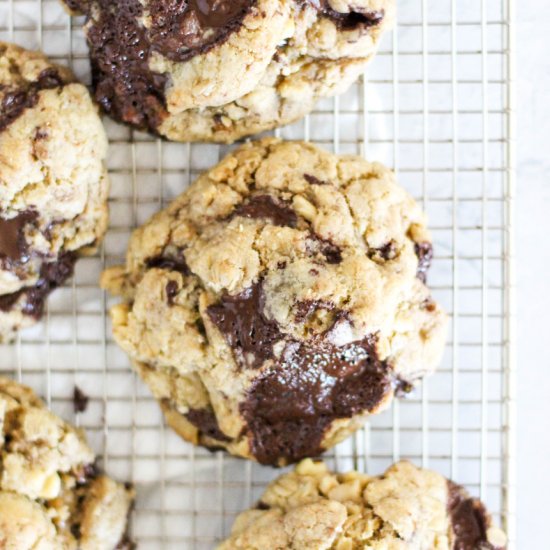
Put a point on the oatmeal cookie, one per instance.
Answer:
(279, 301)
(216, 70)
(407, 508)
(52, 496)
(53, 181)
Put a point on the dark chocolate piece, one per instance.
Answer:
(171, 263)
(248, 332)
(290, 406)
(76, 531)
(312, 180)
(13, 245)
(121, 48)
(205, 420)
(424, 253)
(360, 18)
(40, 134)
(15, 102)
(87, 472)
(277, 211)
(7, 301)
(332, 252)
(181, 30)
(80, 400)
(171, 292)
(386, 252)
(293, 401)
(469, 520)
(52, 275)
(174, 263)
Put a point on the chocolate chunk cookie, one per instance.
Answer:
(217, 70)
(53, 181)
(52, 496)
(279, 301)
(407, 508)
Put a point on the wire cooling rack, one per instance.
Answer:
(436, 105)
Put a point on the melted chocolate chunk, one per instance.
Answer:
(205, 420)
(358, 18)
(181, 30)
(171, 263)
(13, 245)
(293, 401)
(7, 301)
(80, 400)
(277, 211)
(248, 332)
(16, 101)
(52, 275)
(424, 253)
(290, 406)
(468, 520)
(121, 48)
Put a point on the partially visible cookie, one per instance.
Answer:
(53, 181)
(279, 301)
(51, 493)
(407, 508)
(217, 70)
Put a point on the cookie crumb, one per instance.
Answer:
(80, 400)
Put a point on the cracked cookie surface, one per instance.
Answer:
(407, 508)
(216, 70)
(279, 301)
(52, 496)
(53, 181)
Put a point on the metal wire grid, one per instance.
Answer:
(436, 105)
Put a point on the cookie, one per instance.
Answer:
(216, 70)
(52, 495)
(407, 508)
(279, 301)
(53, 182)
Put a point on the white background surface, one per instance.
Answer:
(533, 263)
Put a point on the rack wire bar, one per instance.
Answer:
(438, 105)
